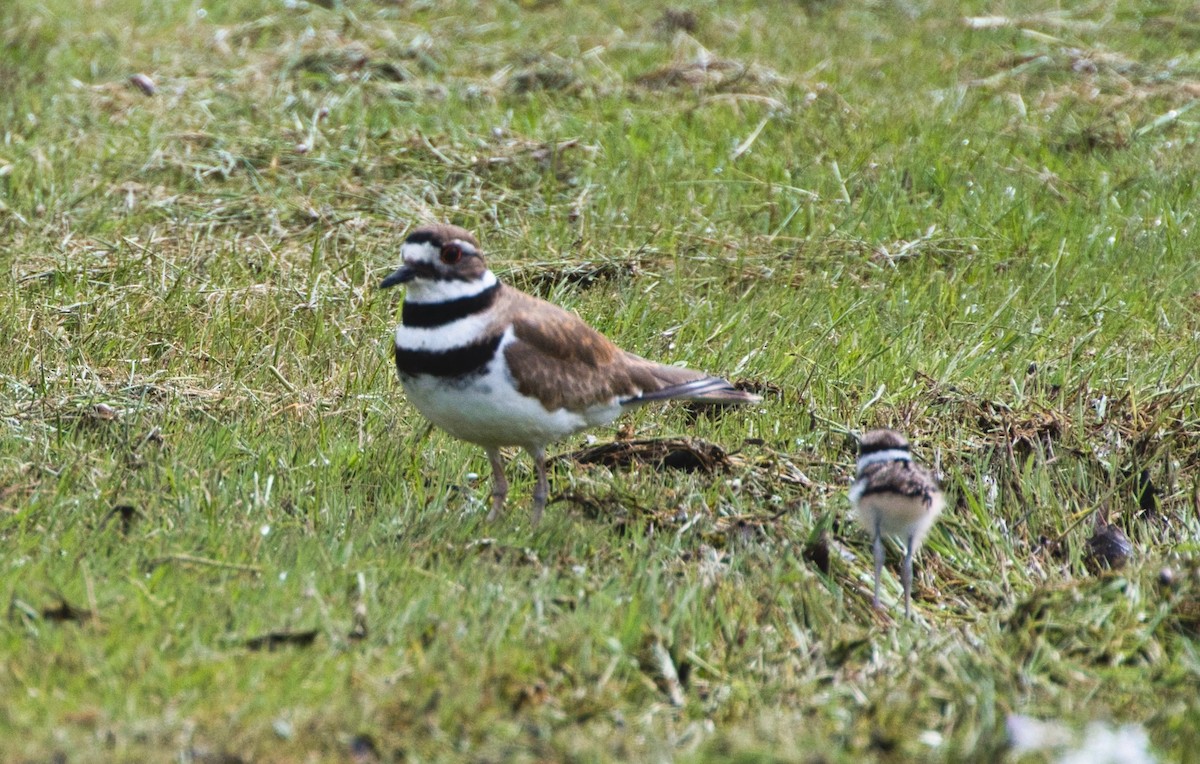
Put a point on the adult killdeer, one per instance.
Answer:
(894, 496)
(494, 366)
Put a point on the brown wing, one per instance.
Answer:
(565, 363)
(904, 478)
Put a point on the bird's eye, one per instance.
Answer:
(451, 254)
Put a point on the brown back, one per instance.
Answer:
(565, 363)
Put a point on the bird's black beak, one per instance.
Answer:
(399, 276)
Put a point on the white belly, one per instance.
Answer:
(897, 515)
(487, 409)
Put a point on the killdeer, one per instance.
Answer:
(894, 496)
(496, 367)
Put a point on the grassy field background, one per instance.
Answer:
(226, 537)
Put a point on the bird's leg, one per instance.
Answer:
(541, 491)
(878, 547)
(906, 577)
(499, 483)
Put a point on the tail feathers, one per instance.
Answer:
(706, 389)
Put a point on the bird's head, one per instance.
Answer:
(882, 446)
(437, 259)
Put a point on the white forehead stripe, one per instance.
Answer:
(890, 455)
(466, 246)
(419, 252)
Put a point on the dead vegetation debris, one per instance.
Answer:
(672, 672)
(274, 640)
(816, 551)
(201, 755)
(777, 467)
(1145, 492)
(530, 695)
(1063, 19)
(191, 559)
(734, 530)
(64, 612)
(542, 278)
(686, 454)
(511, 161)
(516, 151)
(503, 553)
(1108, 548)
(1100, 99)
(766, 389)
(696, 68)
(675, 19)
(363, 749)
(1109, 132)
(355, 60)
(713, 74)
(548, 76)
(1021, 431)
(1182, 23)
(358, 628)
(1185, 613)
(1034, 609)
(124, 515)
(711, 411)
(519, 163)
(613, 508)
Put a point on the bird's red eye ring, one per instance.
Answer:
(451, 254)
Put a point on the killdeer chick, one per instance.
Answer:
(496, 367)
(896, 497)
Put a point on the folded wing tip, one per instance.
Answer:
(705, 390)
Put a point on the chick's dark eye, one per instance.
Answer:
(451, 254)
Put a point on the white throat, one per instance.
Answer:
(890, 455)
(429, 291)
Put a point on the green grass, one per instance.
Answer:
(873, 213)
